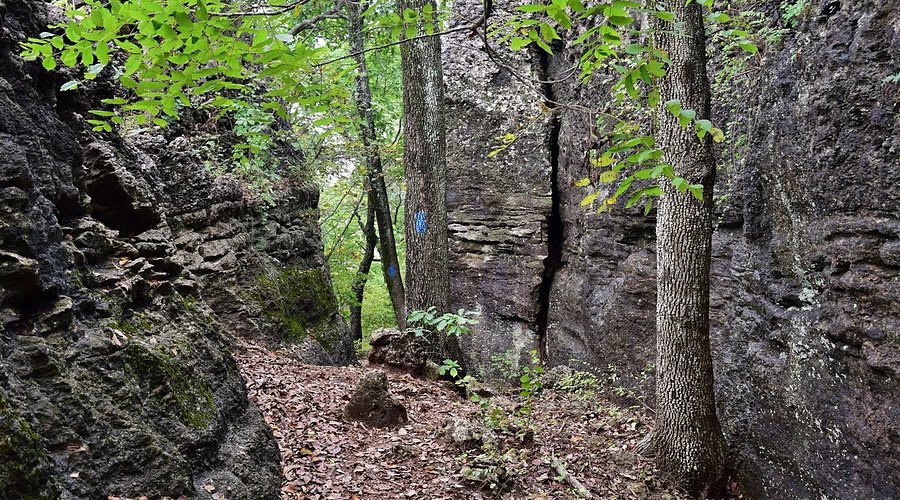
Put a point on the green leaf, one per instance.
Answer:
(603, 161)
(717, 134)
(635, 49)
(656, 69)
(540, 43)
(645, 173)
(583, 182)
(748, 46)
(71, 84)
(518, 43)
(665, 15)
(624, 186)
(49, 63)
(532, 7)
(608, 176)
(685, 117)
(587, 200)
(69, 57)
(576, 5)
(548, 33)
(673, 106)
(697, 191)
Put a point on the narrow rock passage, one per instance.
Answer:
(326, 457)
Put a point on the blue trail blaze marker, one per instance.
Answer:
(421, 225)
(392, 271)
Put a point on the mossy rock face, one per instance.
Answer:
(302, 301)
(23, 463)
(170, 382)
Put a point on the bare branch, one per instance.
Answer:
(469, 27)
(276, 12)
(312, 22)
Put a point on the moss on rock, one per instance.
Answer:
(193, 398)
(302, 301)
(23, 463)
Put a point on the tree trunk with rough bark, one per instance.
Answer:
(365, 264)
(424, 157)
(688, 440)
(390, 262)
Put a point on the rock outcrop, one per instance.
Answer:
(373, 404)
(396, 350)
(498, 203)
(121, 270)
(805, 273)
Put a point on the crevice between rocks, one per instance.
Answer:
(555, 234)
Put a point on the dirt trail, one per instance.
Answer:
(326, 457)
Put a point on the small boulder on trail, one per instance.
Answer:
(372, 403)
(392, 348)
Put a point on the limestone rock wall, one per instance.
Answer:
(805, 293)
(499, 204)
(125, 270)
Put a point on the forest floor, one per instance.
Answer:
(570, 446)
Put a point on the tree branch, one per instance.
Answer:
(337, 241)
(281, 10)
(309, 23)
(469, 27)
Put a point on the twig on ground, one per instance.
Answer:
(579, 487)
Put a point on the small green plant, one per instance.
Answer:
(792, 11)
(505, 364)
(579, 383)
(450, 367)
(452, 324)
(530, 383)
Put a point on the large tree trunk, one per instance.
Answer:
(688, 439)
(424, 156)
(390, 263)
(365, 264)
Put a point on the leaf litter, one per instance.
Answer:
(568, 447)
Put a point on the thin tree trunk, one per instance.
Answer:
(424, 156)
(688, 439)
(374, 171)
(365, 264)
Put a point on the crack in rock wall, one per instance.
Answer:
(806, 278)
(499, 205)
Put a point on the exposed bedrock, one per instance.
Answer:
(499, 204)
(805, 292)
(121, 270)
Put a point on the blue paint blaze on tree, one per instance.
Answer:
(421, 225)
(392, 271)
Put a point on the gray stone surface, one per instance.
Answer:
(498, 206)
(121, 265)
(805, 277)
